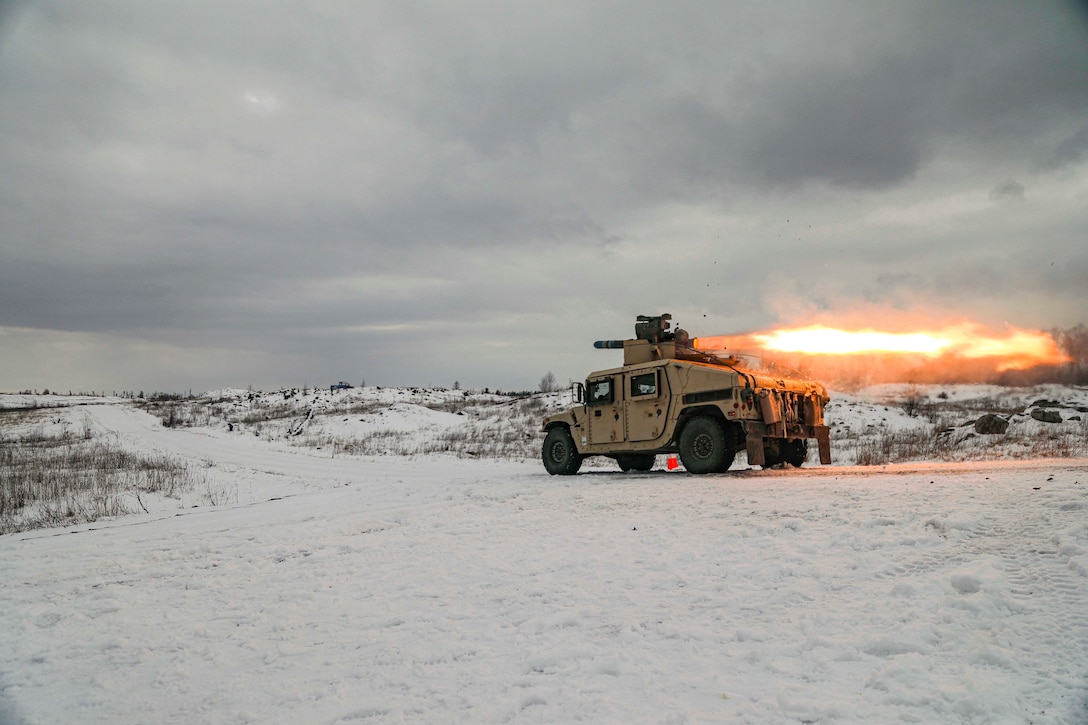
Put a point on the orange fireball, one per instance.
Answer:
(996, 350)
(1013, 349)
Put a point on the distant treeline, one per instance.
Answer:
(129, 394)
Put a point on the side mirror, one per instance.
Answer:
(578, 393)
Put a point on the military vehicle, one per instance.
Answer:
(671, 397)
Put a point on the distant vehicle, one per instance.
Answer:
(672, 398)
(340, 386)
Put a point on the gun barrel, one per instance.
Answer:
(608, 344)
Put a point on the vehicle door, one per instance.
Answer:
(646, 404)
(604, 402)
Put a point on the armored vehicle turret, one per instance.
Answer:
(672, 397)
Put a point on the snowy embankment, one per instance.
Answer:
(878, 425)
(443, 589)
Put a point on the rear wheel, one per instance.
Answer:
(772, 452)
(777, 450)
(795, 452)
(636, 462)
(704, 448)
(559, 454)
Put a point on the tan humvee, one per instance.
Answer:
(672, 398)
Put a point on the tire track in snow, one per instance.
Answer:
(1049, 595)
(1017, 562)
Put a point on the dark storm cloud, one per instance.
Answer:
(285, 176)
(871, 122)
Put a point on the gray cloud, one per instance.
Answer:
(1072, 150)
(320, 187)
(1008, 191)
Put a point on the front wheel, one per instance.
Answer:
(559, 454)
(703, 447)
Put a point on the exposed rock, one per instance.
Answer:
(1044, 403)
(991, 424)
(1046, 416)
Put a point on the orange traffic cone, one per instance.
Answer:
(673, 464)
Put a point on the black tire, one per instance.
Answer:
(636, 462)
(795, 452)
(772, 452)
(559, 454)
(704, 447)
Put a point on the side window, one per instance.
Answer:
(644, 384)
(600, 391)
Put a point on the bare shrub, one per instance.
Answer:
(913, 444)
(548, 383)
(71, 477)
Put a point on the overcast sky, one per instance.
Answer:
(221, 193)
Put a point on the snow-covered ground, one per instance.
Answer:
(440, 588)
